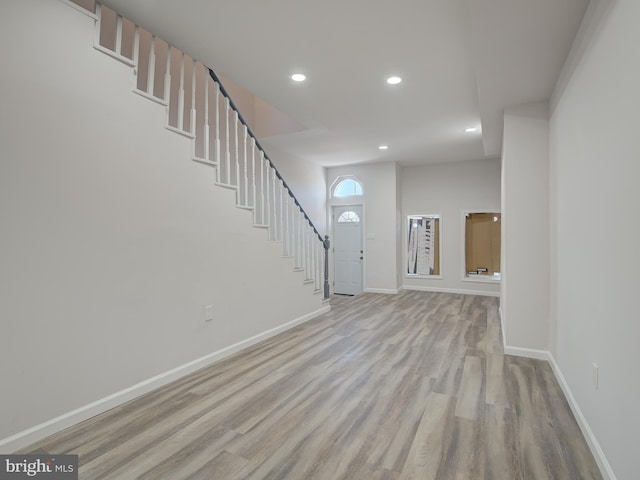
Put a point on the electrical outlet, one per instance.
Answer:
(208, 313)
(595, 376)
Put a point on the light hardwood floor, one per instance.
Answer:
(408, 386)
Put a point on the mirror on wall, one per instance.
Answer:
(482, 245)
(423, 245)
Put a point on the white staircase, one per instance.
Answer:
(199, 108)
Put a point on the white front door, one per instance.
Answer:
(348, 251)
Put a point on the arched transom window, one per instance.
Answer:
(348, 217)
(347, 188)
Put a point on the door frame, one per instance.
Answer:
(333, 206)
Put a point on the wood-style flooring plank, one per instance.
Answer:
(387, 387)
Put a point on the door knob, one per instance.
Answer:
(361, 258)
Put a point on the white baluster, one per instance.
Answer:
(227, 153)
(296, 240)
(282, 210)
(318, 283)
(292, 227)
(302, 244)
(262, 189)
(152, 65)
(217, 139)
(276, 223)
(206, 114)
(237, 152)
(274, 204)
(267, 209)
(312, 250)
(311, 259)
(98, 27)
(166, 96)
(254, 174)
(294, 221)
(192, 122)
(318, 269)
(310, 237)
(245, 173)
(181, 94)
(118, 49)
(136, 48)
(310, 255)
(306, 250)
(253, 178)
(285, 237)
(292, 231)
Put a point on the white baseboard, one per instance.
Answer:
(38, 432)
(594, 446)
(389, 291)
(504, 341)
(450, 290)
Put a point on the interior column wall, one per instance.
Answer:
(524, 301)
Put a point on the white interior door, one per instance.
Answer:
(348, 252)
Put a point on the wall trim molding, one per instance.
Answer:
(389, 291)
(585, 428)
(57, 424)
(450, 290)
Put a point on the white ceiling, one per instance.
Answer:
(462, 62)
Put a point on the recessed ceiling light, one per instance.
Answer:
(471, 129)
(298, 77)
(394, 80)
(383, 147)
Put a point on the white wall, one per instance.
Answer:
(113, 241)
(380, 226)
(595, 178)
(449, 189)
(524, 299)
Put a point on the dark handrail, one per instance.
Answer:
(224, 92)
